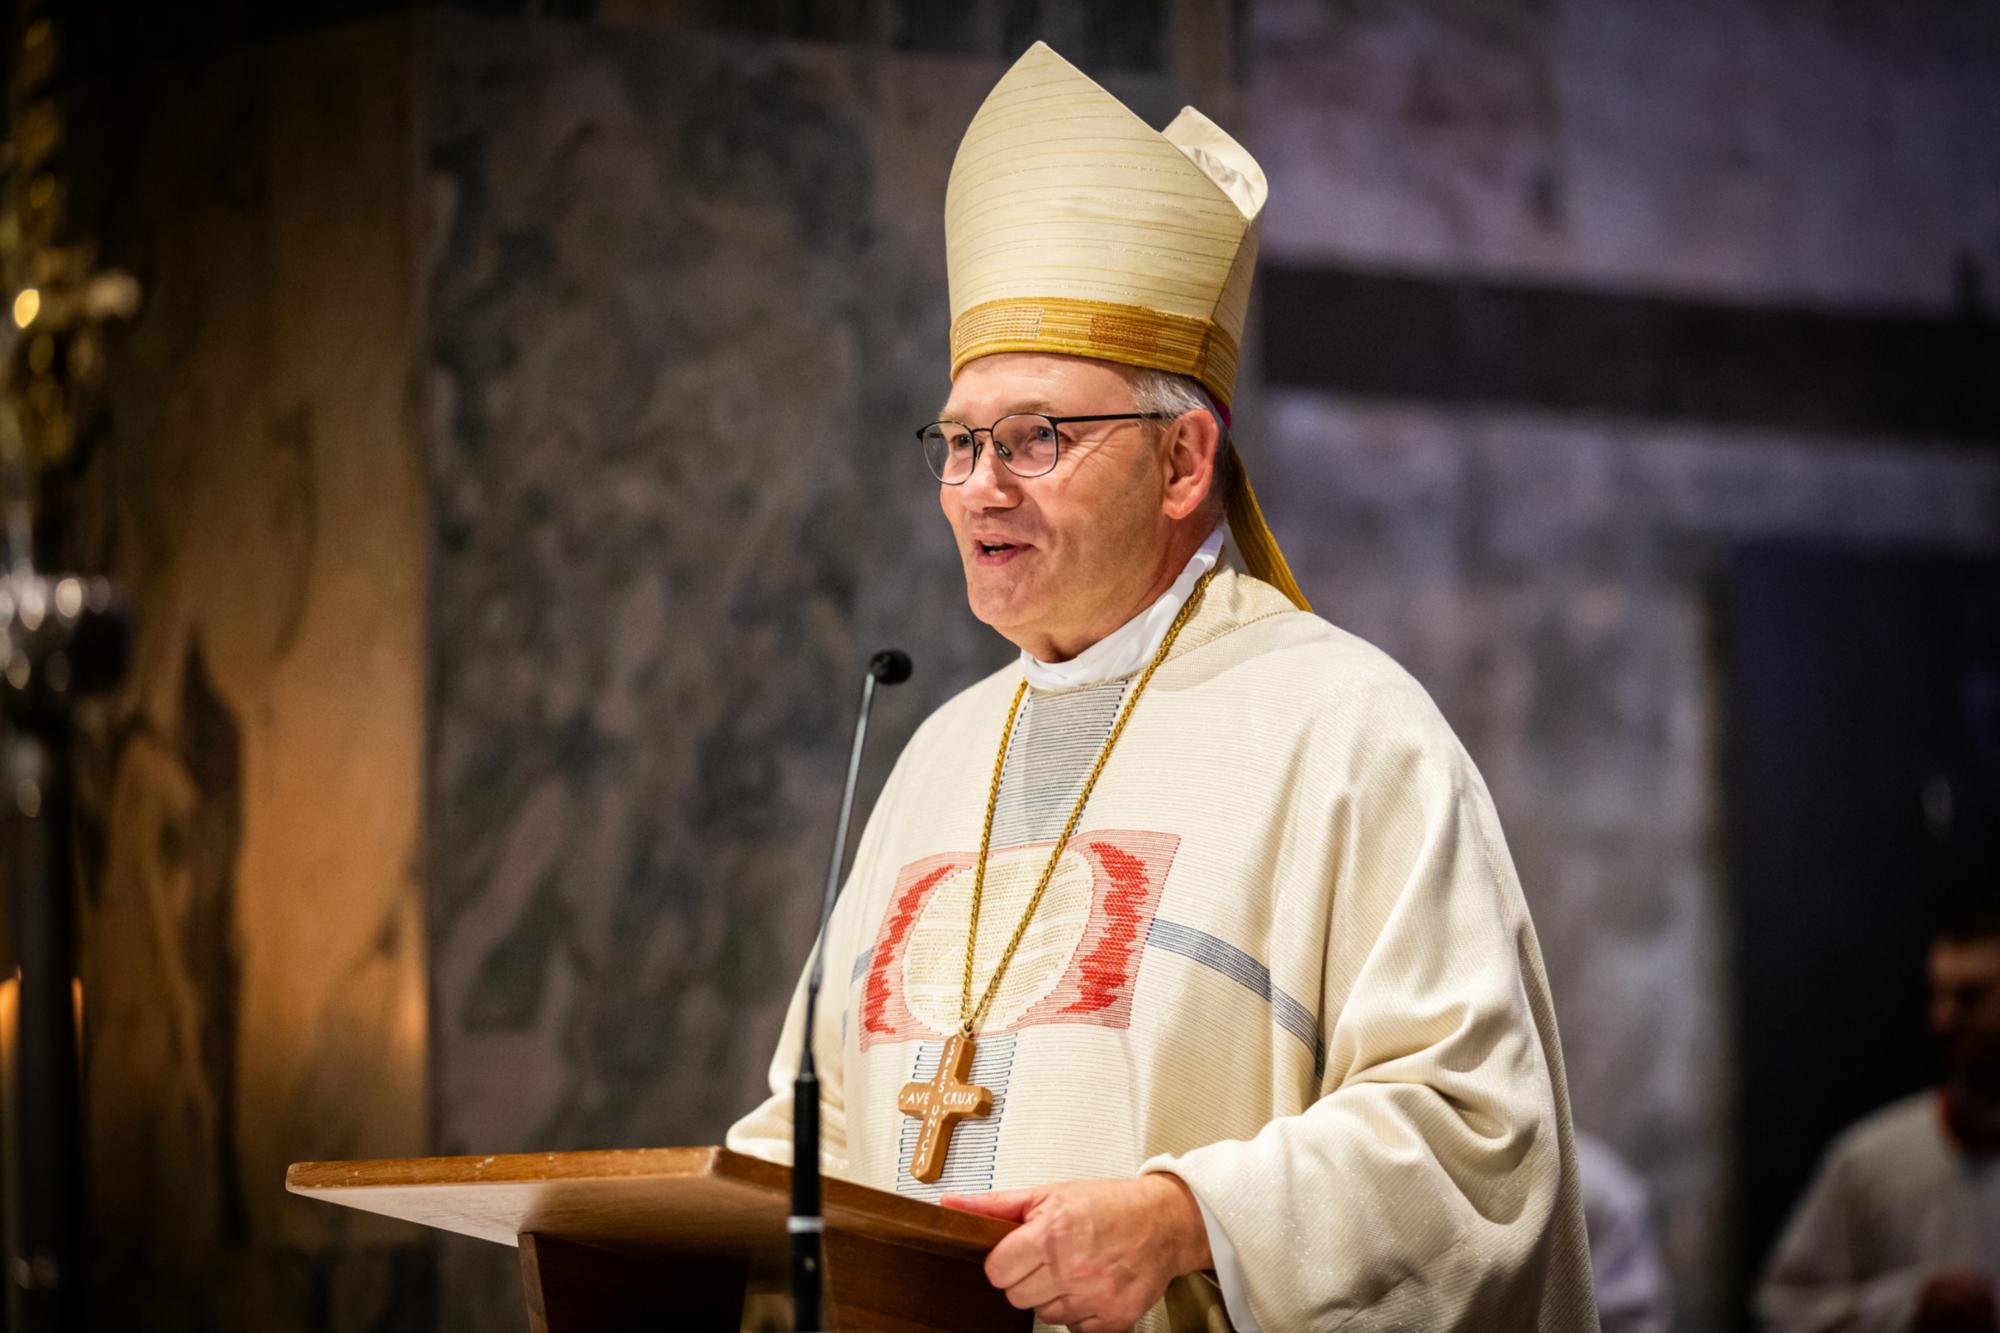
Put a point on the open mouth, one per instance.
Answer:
(995, 552)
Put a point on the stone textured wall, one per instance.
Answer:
(1766, 148)
(1549, 576)
(686, 310)
(254, 959)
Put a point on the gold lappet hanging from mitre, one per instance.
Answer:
(1073, 226)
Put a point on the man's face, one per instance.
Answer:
(1058, 561)
(1965, 1003)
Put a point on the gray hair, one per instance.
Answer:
(1166, 395)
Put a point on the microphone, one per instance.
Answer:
(806, 1224)
(890, 666)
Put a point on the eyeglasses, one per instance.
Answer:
(1027, 442)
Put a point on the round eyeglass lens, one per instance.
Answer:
(948, 449)
(1026, 444)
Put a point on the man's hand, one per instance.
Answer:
(1954, 1300)
(1093, 1254)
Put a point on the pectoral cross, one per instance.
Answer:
(941, 1103)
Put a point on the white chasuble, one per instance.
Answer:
(1284, 956)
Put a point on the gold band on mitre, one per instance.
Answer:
(1128, 334)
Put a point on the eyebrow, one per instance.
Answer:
(1041, 405)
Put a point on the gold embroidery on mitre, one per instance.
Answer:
(1073, 226)
(1128, 334)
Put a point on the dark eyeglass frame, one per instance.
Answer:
(1000, 451)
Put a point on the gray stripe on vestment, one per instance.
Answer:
(1056, 740)
(1232, 962)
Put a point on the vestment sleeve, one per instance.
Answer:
(1430, 1183)
(766, 1132)
(1228, 1274)
(1819, 1279)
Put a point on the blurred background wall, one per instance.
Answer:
(511, 463)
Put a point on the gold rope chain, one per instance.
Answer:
(969, 1015)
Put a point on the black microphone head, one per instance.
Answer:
(890, 666)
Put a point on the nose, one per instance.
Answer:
(991, 485)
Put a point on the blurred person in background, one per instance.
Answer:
(1900, 1228)
(1633, 1295)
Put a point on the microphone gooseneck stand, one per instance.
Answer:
(806, 1224)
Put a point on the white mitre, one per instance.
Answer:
(1073, 226)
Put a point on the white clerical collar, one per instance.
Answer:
(1128, 648)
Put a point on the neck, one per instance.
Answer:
(1167, 566)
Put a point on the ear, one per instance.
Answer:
(1189, 446)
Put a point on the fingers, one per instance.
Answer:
(1071, 1313)
(1093, 1323)
(1013, 1259)
(1010, 1205)
(1061, 1312)
(1034, 1291)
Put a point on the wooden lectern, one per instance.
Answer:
(672, 1238)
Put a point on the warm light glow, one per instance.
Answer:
(26, 306)
(10, 1016)
(10, 1020)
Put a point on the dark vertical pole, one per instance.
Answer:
(806, 1223)
(44, 1263)
(60, 640)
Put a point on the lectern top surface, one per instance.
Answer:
(691, 1200)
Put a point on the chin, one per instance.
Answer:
(999, 608)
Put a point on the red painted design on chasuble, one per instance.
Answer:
(913, 886)
(1106, 971)
(1127, 873)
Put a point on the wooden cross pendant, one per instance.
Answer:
(941, 1103)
